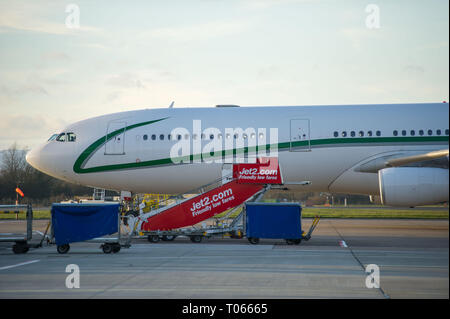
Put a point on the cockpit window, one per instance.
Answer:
(64, 137)
(71, 137)
(61, 137)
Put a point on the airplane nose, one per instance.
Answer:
(50, 159)
(40, 158)
(32, 158)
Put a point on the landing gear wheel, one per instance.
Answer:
(153, 238)
(253, 240)
(107, 248)
(20, 248)
(196, 239)
(63, 249)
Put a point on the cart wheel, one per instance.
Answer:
(168, 237)
(107, 248)
(293, 241)
(116, 248)
(20, 248)
(196, 238)
(153, 238)
(253, 240)
(62, 249)
(236, 235)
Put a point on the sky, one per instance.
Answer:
(64, 61)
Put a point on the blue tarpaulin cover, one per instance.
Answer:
(273, 220)
(78, 222)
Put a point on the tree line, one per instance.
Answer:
(37, 187)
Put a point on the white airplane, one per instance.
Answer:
(397, 151)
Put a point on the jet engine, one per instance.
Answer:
(413, 186)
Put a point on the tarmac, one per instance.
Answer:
(412, 257)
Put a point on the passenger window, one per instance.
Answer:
(446, 132)
(179, 137)
(344, 134)
(335, 134)
(378, 133)
(61, 137)
(413, 133)
(161, 137)
(145, 137)
(438, 132)
(211, 137)
(430, 132)
(361, 133)
(153, 137)
(352, 133)
(395, 133)
(369, 133)
(421, 132)
(404, 132)
(169, 137)
(186, 136)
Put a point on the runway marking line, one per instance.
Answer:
(21, 264)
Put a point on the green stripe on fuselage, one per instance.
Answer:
(88, 152)
(359, 141)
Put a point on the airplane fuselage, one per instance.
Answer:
(140, 151)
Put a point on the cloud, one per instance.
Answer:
(20, 90)
(55, 56)
(413, 70)
(359, 35)
(111, 97)
(265, 4)
(125, 80)
(31, 129)
(197, 32)
(435, 46)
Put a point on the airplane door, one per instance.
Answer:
(300, 138)
(115, 138)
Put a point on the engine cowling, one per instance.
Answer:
(413, 186)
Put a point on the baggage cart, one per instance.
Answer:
(276, 220)
(21, 241)
(87, 222)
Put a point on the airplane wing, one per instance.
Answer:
(416, 158)
(430, 159)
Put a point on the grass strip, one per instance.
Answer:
(311, 212)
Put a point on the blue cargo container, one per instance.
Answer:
(80, 222)
(273, 220)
